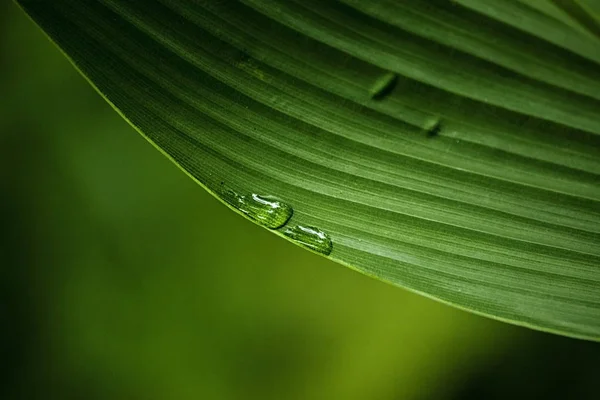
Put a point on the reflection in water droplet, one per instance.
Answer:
(265, 210)
(310, 237)
(384, 86)
(432, 126)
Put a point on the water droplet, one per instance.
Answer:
(384, 85)
(266, 210)
(432, 126)
(251, 66)
(310, 237)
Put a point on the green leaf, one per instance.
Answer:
(451, 148)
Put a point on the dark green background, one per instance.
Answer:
(120, 278)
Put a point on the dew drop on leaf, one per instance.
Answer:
(310, 237)
(432, 126)
(384, 85)
(266, 210)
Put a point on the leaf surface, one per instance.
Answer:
(451, 148)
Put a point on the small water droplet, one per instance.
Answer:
(384, 85)
(251, 66)
(310, 237)
(432, 126)
(266, 210)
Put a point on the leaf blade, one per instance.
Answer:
(499, 224)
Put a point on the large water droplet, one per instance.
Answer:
(266, 210)
(384, 85)
(310, 237)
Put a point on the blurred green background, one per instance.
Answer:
(120, 278)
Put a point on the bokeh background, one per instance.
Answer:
(120, 278)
